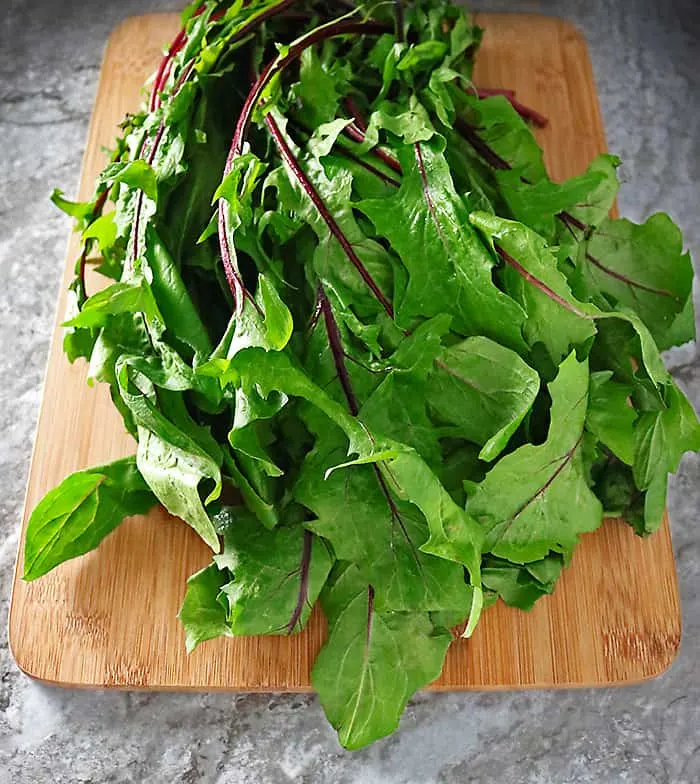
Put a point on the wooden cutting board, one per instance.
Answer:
(109, 618)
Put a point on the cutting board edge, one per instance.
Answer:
(276, 689)
(118, 30)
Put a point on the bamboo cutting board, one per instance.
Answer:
(109, 618)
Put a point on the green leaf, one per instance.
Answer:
(172, 297)
(518, 586)
(397, 409)
(237, 186)
(599, 201)
(76, 516)
(82, 211)
(422, 56)
(542, 290)
(135, 174)
(114, 299)
(277, 576)
(202, 615)
(412, 125)
(555, 317)
(458, 279)
(278, 319)
(102, 229)
(611, 416)
(536, 499)
(639, 267)
(319, 89)
(538, 204)
(373, 662)
(174, 457)
(484, 390)
(682, 330)
(325, 137)
(368, 525)
(77, 342)
(660, 440)
(505, 132)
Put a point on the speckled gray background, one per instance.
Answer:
(646, 56)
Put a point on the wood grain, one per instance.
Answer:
(109, 618)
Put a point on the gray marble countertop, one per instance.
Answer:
(646, 57)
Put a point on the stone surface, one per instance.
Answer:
(645, 56)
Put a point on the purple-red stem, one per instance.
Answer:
(370, 613)
(336, 344)
(99, 206)
(357, 131)
(570, 220)
(271, 69)
(489, 92)
(538, 284)
(279, 64)
(398, 13)
(526, 112)
(304, 569)
(354, 111)
(469, 134)
(335, 230)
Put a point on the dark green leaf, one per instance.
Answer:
(484, 390)
(277, 576)
(611, 416)
(642, 268)
(458, 278)
(536, 499)
(366, 524)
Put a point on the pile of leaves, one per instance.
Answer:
(369, 350)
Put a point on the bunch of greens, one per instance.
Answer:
(394, 367)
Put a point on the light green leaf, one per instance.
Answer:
(102, 229)
(174, 457)
(422, 56)
(114, 299)
(202, 615)
(135, 174)
(76, 516)
(82, 211)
